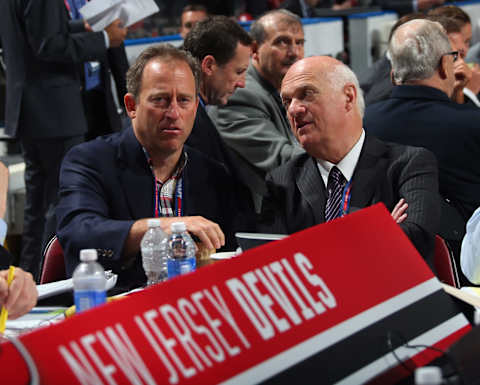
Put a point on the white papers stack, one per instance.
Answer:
(101, 13)
(58, 287)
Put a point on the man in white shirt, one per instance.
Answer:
(470, 252)
(343, 169)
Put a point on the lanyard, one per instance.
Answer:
(345, 199)
(177, 197)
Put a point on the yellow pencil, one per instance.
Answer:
(4, 313)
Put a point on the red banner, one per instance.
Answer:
(331, 301)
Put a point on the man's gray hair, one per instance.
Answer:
(416, 49)
(258, 31)
(340, 76)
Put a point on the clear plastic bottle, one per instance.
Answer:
(153, 258)
(89, 282)
(180, 251)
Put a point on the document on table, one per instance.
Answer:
(37, 317)
(101, 13)
(48, 289)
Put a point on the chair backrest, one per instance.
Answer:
(445, 263)
(53, 268)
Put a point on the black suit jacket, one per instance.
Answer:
(385, 172)
(43, 87)
(106, 184)
(426, 117)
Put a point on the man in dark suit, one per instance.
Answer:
(344, 170)
(44, 107)
(222, 48)
(421, 113)
(111, 185)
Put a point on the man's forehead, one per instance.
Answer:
(297, 80)
(276, 27)
(176, 68)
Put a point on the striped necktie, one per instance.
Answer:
(335, 186)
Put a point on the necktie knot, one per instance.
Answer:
(336, 176)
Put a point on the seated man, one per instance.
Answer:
(110, 186)
(21, 295)
(420, 112)
(470, 252)
(343, 169)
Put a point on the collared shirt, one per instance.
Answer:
(169, 193)
(346, 165)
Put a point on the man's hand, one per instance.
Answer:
(399, 211)
(209, 233)
(22, 294)
(474, 82)
(116, 33)
(87, 26)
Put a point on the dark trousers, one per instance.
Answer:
(43, 158)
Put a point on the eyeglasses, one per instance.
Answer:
(454, 54)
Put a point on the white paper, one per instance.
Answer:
(101, 13)
(58, 287)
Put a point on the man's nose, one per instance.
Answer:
(172, 110)
(296, 108)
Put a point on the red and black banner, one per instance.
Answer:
(338, 303)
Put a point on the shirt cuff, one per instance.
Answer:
(3, 231)
(107, 40)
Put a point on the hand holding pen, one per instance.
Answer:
(20, 296)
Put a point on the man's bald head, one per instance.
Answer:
(324, 105)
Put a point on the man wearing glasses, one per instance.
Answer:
(421, 113)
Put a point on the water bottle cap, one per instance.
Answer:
(428, 375)
(178, 227)
(87, 255)
(154, 222)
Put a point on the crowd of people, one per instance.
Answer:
(235, 131)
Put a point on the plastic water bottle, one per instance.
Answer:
(154, 259)
(89, 281)
(180, 250)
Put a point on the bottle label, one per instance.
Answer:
(86, 299)
(180, 266)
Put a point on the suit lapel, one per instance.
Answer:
(364, 182)
(135, 176)
(311, 187)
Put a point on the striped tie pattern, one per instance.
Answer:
(335, 186)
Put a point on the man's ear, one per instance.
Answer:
(208, 65)
(254, 48)
(392, 78)
(130, 105)
(350, 96)
(442, 68)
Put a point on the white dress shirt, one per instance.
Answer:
(346, 165)
(470, 253)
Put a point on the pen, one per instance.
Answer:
(4, 313)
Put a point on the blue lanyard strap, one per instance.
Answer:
(346, 195)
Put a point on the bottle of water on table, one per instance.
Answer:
(154, 260)
(89, 282)
(180, 251)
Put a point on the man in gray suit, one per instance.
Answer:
(325, 109)
(253, 122)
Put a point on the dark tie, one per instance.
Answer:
(335, 185)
